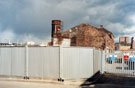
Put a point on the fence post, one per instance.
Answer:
(102, 62)
(61, 64)
(26, 63)
(93, 59)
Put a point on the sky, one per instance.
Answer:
(30, 20)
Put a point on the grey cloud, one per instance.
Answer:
(32, 18)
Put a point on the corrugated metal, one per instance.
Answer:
(43, 62)
(77, 63)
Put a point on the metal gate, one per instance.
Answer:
(119, 63)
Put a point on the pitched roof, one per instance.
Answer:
(82, 27)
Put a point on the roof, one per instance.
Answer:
(84, 26)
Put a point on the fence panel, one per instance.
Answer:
(97, 57)
(51, 62)
(12, 60)
(43, 62)
(18, 61)
(5, 61)
(86, 62)
(35, 62)
(77, 63)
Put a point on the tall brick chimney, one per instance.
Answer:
(56, 28)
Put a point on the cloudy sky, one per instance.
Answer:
(30, 20)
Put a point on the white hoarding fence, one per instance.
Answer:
(50, 62)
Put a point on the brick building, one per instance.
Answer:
(82, 35)
(124, 44)
(124, 40)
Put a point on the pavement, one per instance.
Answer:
(22, 84)
(36, 83)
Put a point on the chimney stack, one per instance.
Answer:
(101, 26)
(56, 28)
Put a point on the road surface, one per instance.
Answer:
(110, 81)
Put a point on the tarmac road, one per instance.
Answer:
(111, 81)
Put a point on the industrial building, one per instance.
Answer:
(124, 44)
(124, 41)
(83, 35)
